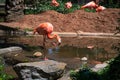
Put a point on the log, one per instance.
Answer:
(14, 49)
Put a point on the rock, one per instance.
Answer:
(14, 49)
(15, 58)
(66, 76)
(84, 59)
(37, 54)
(43, 70)
(99, 66)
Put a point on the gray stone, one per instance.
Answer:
(43, 70)
(14, 49)
(99, 67)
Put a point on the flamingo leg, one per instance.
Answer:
(44, 40)
(44, 45)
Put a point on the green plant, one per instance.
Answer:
(84, 74)
(3, 75)
(111, 72)
(38, 6)
(43, 5)
(89, 10)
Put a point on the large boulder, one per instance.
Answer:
(43, 70)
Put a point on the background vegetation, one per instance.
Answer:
(37, 6)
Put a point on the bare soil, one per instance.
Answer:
(79, 20)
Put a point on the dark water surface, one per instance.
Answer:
(73, 49)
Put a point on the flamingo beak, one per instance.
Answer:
(57, 44)
(59, 41)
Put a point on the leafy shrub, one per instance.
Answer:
(89, 10)
(112, 71)
(43, 5)
(85, 74)
(3, 75)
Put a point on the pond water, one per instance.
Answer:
(97, 50)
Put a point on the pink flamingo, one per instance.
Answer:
(55, 3)
(90, 5)
(68, 5)
(46, 29)
(100, 8)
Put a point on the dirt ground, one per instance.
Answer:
(80, 20)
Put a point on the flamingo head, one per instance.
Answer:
(59, 41)
(100, 8)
